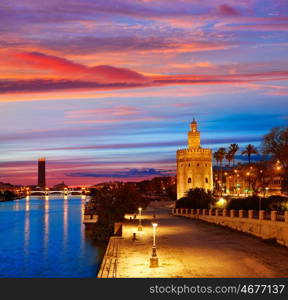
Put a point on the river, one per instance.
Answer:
(45, 237)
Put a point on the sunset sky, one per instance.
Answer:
(105, 90)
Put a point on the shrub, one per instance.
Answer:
(278, 202)
(270, 203)
(196, 198)
(7, 195)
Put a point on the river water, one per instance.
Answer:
(45, 237)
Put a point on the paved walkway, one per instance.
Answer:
(193, 248)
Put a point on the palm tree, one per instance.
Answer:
(221, 152)
(229, 157)
(249, 150)
(216, 157)
(233, 149)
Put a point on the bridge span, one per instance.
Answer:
(51, 192)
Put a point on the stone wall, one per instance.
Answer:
(272, 225)
(195, 164)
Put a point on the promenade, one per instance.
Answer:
(193, 248)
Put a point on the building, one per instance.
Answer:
(194, 165)
(60, 186)
(41, 172)
(4, 186)
(249, 179)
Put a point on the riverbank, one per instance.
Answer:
(192, 248)
(13, 199)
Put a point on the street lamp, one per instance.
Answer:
(266, 190)
(140, 225)
(248, 174)
(154, 261)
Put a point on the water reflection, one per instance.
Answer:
(46, 224)
(65, 220)
(45, 237)
(27, 226)
(17, 205)
(27, 204)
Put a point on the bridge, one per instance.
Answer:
(52, 192)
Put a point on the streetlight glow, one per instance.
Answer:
(154, 261)
(221, 202)
(140, 225)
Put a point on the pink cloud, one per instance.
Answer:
(110, 121)
(114, 111)
(227, 10)
(67, 75)
(62, 66)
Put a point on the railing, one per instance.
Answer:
(275, 216)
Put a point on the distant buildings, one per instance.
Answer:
(194, 165)
(243, 180)
(41, 172)
(9, 187)
(60, 186)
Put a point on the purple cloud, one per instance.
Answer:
(129, 173)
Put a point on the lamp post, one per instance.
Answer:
(140, 225)
(248, 174)
(235, 184)
(266, 191)
(154, 261)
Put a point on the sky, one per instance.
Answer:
(105, 90)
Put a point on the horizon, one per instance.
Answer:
(108, 89)
(150, 173)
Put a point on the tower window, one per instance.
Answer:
(206, 180)
(198, 165)
(189, 180)
(188, 165)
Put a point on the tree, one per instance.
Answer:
(8, 195)
(196, 198)
(171, 191)
(233, 149)
(111, 204)
(222, 153)
(275, 143)
(260, 175)
(249, 150)
(216, 156)
(229, 157)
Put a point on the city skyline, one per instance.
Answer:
(106, 90)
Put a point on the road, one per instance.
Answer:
(193, 248)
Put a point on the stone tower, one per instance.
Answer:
(194, 164)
